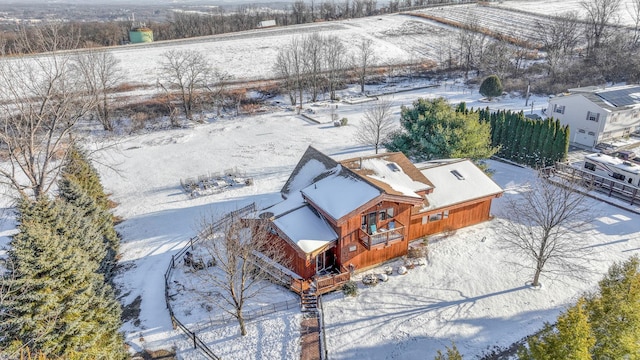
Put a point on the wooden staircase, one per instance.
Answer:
(309, 302)
(310, 326)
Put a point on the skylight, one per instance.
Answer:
(393, 167)
(457, 174)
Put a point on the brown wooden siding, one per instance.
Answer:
(297, 263)
(351, 251)
(460, 216)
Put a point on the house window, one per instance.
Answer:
(591, 116)
(581, 131)
(425, 219)
(382, 215)
(389, 213)
(618, 176)
(352, 248)
(435, 217)
(590, 166)
(445, 214)
(591, 133)
(558, 108)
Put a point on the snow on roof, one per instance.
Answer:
(390, 173)
(307, 173)
(341, 193)
(618, 163)
(457, 182)
(306, 228)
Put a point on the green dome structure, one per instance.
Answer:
(140, 35)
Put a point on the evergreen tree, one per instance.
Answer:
(78, 168)
(571, 339)
(491, 87)
(80, 185)
(451, 354)
(63, 308)
(534, 159)
(86, 207)
(604, 325)
(614, 312)
(434, 130)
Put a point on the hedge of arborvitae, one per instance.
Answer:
(61, 303)
(537, 143)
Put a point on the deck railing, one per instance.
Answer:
(327, 283)
(381, 237)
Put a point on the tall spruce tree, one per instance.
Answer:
(432, 129)
(87, 208)
(63, 308)
(80, 185)
(78, 168)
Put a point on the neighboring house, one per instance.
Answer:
(338, 217)
(596, 114)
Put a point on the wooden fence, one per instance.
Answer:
(197, 342)
(604, 184)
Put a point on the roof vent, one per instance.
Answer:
(457, 174)
(393, 167)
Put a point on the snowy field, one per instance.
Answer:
(559, 7)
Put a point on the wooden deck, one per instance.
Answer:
(322, 284)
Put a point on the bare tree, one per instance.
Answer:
(634, 11)
(363, 60)
(290, 66)
(43, 99)
(559, 38)
(313, 61)
(471, 44)
(189, 72)
(335, 63)
(540, 226)
(498, 59)
(599, 15)
(377, 122)
(101, 72)
(237, 277)
(49, 37)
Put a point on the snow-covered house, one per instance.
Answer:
(360, 212)
(596, 114)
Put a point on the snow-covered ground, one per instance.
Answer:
(160, 216)
(559, 7)
(467, 293)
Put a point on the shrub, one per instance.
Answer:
(491, 87)
(343, 121)
(415, 252)
(350, 288)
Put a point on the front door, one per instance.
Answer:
(320, 262)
